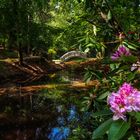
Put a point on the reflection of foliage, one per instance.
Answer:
(51, 97)
(52, 94)
(8, 110)
(79, 133)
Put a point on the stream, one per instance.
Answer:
(42, 114)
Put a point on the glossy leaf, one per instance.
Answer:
(131, 138)
(131, 46)
(118, 129)
(109, 15)
(104, 95)
(131, 58)
(131, 76)
(102, 113)
(137, 115)
(102, 129)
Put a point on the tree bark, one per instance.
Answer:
(20, 54)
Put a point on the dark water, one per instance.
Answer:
(46, 115)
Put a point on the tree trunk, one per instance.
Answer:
(20, 54)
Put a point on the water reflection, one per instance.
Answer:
(62, 132)
(48, 115)
(72, 113)
(59, 133)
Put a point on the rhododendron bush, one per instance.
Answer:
(120, 90)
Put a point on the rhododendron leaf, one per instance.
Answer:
(87, 40)
(86, 50)
(109, 15)
(104, 95)
(118, 129)
(90, 45)
(105, 112)
(130, 45)
(131, 58)
(137, 115)
(125, 67)
(102, 129)
(88, 79)
(131, 138)
(131, 76)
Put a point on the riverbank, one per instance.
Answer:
(34, 68)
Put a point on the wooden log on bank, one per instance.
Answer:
(26, 90)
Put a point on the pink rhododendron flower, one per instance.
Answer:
(125, 90)
(126, 99)
(122, 51)
(133, 101)
(117, 106)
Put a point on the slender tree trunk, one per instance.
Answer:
(20, 54)
(28, 42)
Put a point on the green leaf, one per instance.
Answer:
(130, 58)
(131, 138)
(109, 15)
(124, 67)
(87, 40)
(131, 76)
(94, 30)
(97, 74)
(118, 130)
(130, 45)
(102, 129)
(88, 79)
(104, 95)
(102, 113)
(86, 50)
(92, 40)
(87, 76)
(137, 115)
(90, 45)
(81, 40)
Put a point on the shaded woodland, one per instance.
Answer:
(37, 39)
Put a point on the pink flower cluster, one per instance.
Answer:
(122, 51)
(127, 99)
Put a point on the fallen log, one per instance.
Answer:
(26, 90)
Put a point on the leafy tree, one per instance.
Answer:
(23, 24)
(96, 24)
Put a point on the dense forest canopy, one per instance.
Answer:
(57, 26)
